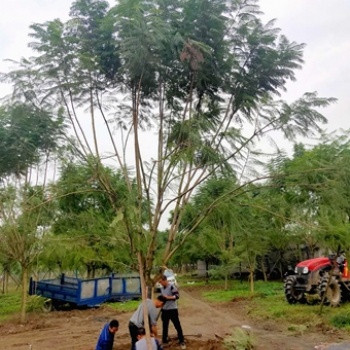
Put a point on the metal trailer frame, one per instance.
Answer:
(87, 292)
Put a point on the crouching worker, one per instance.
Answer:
(106, 338)
(137, 320)
(141, 344)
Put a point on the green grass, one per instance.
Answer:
(242, 291)
(126, 306)
(341, 320)
(276, 308)
(9, 304)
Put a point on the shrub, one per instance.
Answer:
(35, 303)
(239, 340)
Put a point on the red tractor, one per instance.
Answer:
(327, 277)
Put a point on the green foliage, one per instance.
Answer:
(25, 221)
(240, 339)
(235, 228)
(27, 133)
(214, 235)
(91, 30)
(314, 188)
(84, 228)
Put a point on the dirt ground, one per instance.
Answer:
(203, 323)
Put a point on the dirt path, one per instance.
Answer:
(79, 329)
(221, 319)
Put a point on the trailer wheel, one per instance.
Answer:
(47, 305)
(333, 295)
(293, 296)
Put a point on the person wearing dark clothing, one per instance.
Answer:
(106, 338)
(170, 311)
(141, 344)
(137, 319)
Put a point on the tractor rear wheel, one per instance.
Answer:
(293, 296)
(333, 294)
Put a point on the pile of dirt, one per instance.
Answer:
(191, 344)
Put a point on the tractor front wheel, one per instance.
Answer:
(293, 296)
(330, 291)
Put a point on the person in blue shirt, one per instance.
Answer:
(106, 338)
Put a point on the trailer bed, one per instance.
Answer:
(87, 292)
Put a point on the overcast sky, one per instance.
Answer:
(323, 25)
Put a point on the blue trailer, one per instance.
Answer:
(76, 292)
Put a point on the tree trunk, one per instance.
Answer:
(90, 271)
(206, 272)
(251, 280)
(281, 270)
(24, 293)
(3, 276)
(263, 268)
(144, 301)
(6, 277)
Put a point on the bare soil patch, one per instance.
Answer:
(203, 323)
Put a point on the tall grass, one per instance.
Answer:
(9, 304)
